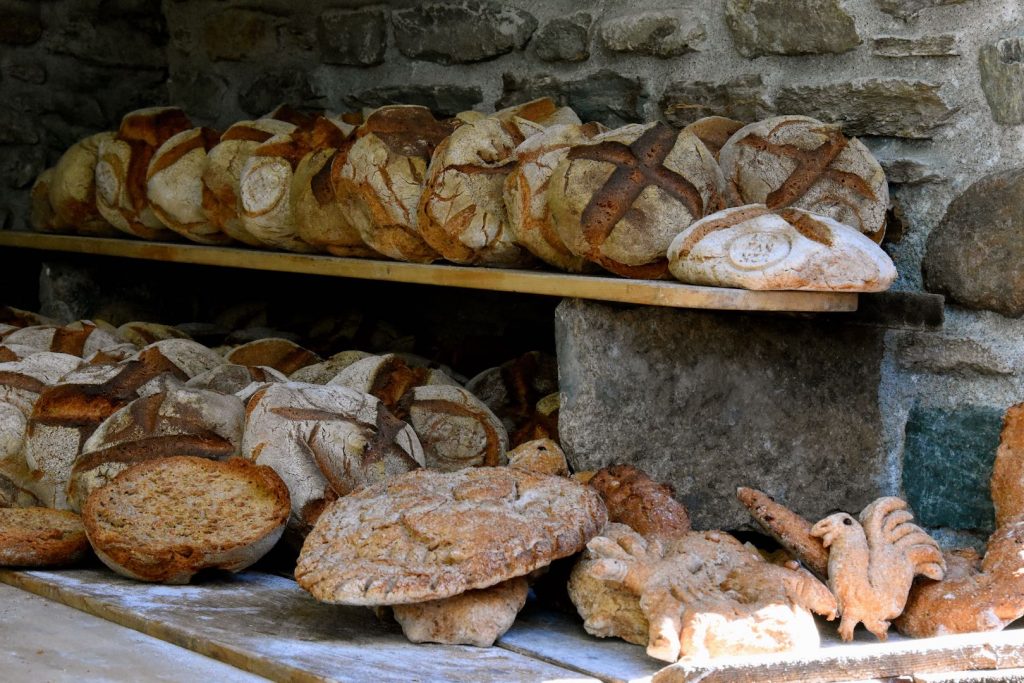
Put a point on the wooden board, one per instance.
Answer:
(647, 292)
(269, 626)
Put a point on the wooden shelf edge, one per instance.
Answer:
(645, 292)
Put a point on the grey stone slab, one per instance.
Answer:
(790, 27)
(1002, 78)
(710, 401)
(267, 624)
(662, 33)
(461, 32)
(43, 640)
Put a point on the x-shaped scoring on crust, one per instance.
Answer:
(639, 165)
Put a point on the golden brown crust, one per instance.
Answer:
(281, 354)
(542, 456)
(639, 502)
(429, 535)
(41, 537)
(714, 131)
(1007, 483)
(135, 529)
(477, 617)
(789, 529)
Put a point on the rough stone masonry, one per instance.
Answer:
(934, 87)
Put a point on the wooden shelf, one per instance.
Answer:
(646, 292)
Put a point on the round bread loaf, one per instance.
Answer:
(265, 185)
(462, 212)
(179, 421)
(41, 537)
(526, 193)
(619, 199)
(12, 494)
(143, 333)
(714, 132)
(751, 247)
(388, 377)
(240, 380)
(513, 390)
(80, 338)
(164, 520)
(322, 373)
(224, 163)
(429, 535)
(174, 185)
(73, 188)
(22, 381)
(381, 183)
(122, 162)
(325, 441)
(20, 318)
(9, 352)
(477, 617)
(542, 456)
(42, 217)
(797, 161)
(280, 354)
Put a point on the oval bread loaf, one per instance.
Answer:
(73, 188)
(174, 185)
(164, 520)
(41, 537)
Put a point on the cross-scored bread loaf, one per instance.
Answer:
(621, 197)
(800, 162)
(222, 203)
(121, 168)
(41, 537)
(178, 421)
(164, 520)
(174, 185)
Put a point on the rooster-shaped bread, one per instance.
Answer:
(872, 563)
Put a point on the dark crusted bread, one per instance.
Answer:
(166, 519)
(40, 537)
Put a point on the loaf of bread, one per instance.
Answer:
(381, 183)
(641, 503)
(620, 198)
(325, 441)
(476, 617)
(222, 204)
(12, 494)
(800, 162)
(40, 537)
(751, 247)
(462, 212)
(174, 185)
(542, 456)
(513, 389)
(21, 381)
(164, 520)
(73, 188)
(388, 377)
(322, 373)
(714, 132)
(9, 315)
(143, 334)
(240, 380)
(266, 182)
(179, 421)
(526, 193)
(280, 354)
(41, 215)
(65, 415)
(121, 170)
(16, 481)
(81, 338)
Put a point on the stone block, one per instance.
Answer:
(741, 98)
(907, 9)
(27, 72)
(943, 45)
(605, 96)
(461, 32)
(17, 127)
(1002, 78)
(443, 100)
(284, 85)
(564, 39)
(117, 43)
(790, 27)
(353, 38)
(975, 256)
(67, 292)
(20, 22)
(893, 107)
(237, 34)
(709, 401)
(910, 310)
(665, 33)
(947, 464)
(19, 166)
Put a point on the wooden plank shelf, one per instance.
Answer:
(645, 292)
(267, 625)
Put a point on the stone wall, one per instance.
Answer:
(934, 87)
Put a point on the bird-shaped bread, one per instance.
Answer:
(872, 563)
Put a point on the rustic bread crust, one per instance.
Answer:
(639, 502)
(41, 537)
(142, 528)
(174, 185)
(280, 354)
(429, 535)
(73, 188)
(477, 617)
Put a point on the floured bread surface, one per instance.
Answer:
(174, 185)
(40, 537)
(752, 247)
(166, 519)
(324, 372)
(477, 617)
(325, 441)
(620, 198)
(73, 188)
(429, 535)
(804, 163)
(456, 429)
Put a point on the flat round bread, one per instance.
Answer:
(40, 537)
(428, 535)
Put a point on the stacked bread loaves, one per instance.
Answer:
(525, 184)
